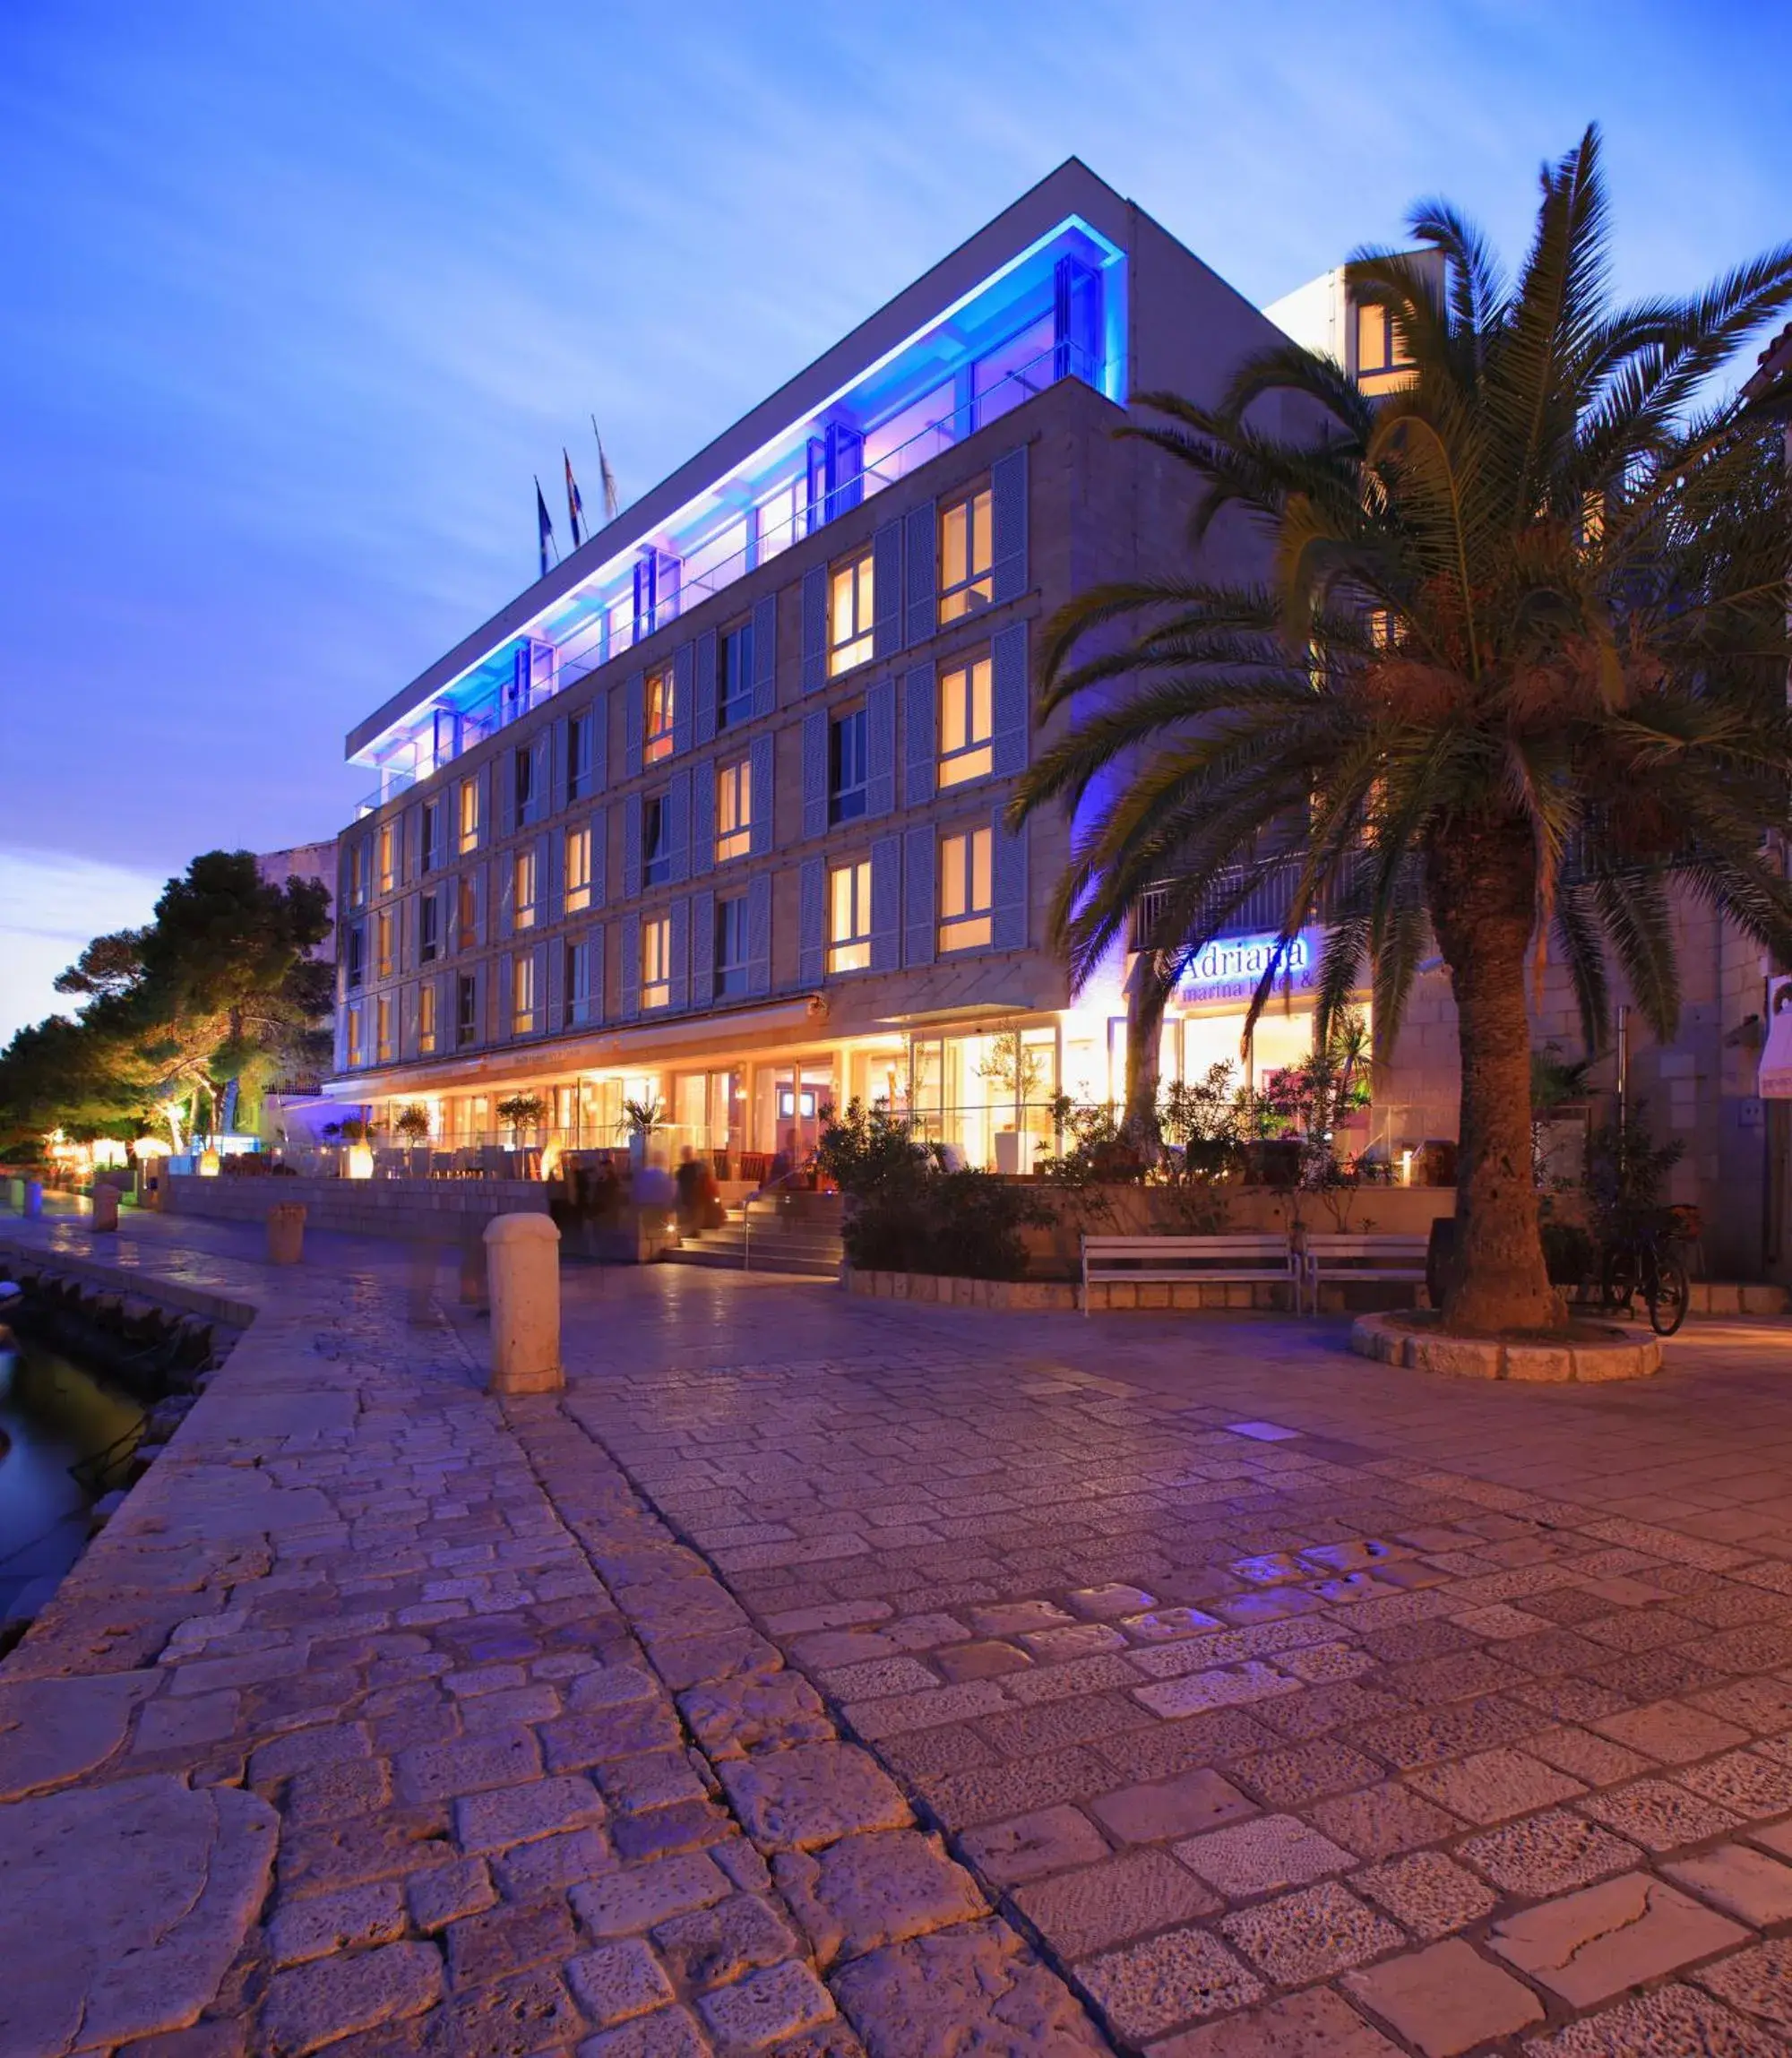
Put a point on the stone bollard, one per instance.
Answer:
(286, 1233)
(105, 1208)
(522, 1253)
(34, 1200)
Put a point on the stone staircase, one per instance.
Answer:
(799, 1234)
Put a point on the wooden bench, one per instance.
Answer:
(1347, 1259)
(1182, 1260)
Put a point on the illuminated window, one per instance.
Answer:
(523, 915)
(1381, 628)
(579, 997)
(849, 917)
(734, 809)
(846, 766)
(578, 870)
(849, 604)
(383, 944)
(731, 951)
(468, 814)
(1380, 365)
(522, 994)
(388, 856)
(355, 1036)
(425, 1018)
(428, 929)
(429, 852)
(656, 961)
(734, 687)
(656, 840)
(966, 722)
(383, 1027)
(964, 890)
(656, 741)
(465, 914)
(467, 1008)
(966, 551)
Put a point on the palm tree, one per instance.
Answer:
(1515, 682)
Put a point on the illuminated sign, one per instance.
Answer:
(1228, 968)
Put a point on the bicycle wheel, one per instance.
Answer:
(1668, 1295)
(1617, 1278)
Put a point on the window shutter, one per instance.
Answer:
(815, 628)
(594, 991)
(760, 759)
(678, 825)
(506, 762)
(631, 967)
(412, 845)
(481, 907)
(759, 936)
(765, 656)
(921, 721)
(634, 714)
(408, 1031)
(706, 687)
(703, 950)
(815, 772)
(886, 904)
(919, 560)
(485, 836)
(540, 783)
(557, 740)
(550, 884)
(886, 590)
(879, 748)
(506, 989)
(703, 817)
(597, 727)
(812, 922)
(631, 851)
(600, 856)
(544, 955)
(1008, 693)
(683, 696)
(1007, 887)
(1008, 525)
(554, 995)
(678, 980)
(918, 933)
(506, 865)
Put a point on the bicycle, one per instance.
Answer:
(1646, 1262)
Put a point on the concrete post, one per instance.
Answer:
(522, 1253)
(105, 1206)
(34, 1200)
(286, 1233)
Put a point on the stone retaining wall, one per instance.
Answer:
(429, 1211)
(1064, 1295)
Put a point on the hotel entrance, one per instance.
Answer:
(793, 1098)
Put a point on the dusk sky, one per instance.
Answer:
(297, 299)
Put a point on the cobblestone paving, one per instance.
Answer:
(1290, 1704)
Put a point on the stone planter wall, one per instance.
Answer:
(1061, 1295)
(420, 1211)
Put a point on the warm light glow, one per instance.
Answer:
(149, 1147)
(360, 1161)
(208, 1164)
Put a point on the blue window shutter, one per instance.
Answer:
(886, 904)
(485, 838)
(557, 738)
(703, 817)
(1008, 694)
(1007, 887)
(815, 628)
(550, 884)
(544, 955)
(679, 973)
(597, 726)
(541, 788)
(764, 656)
(683, 696)
(879, 748)
(506, 865)
(410, 844)
(506, 763)
(703, 950)
(634, 714)
(507, 993)
(600, 856)
(760, 760)
(1008, 525)
(815, 772)
(919, 558)
(812, 917)
(759, 936)
(631, 967)
(706, 687)
(631, 852)
(920, 717)
(886, 590)
(918, 934)
(594, 1001)
(481, 907)
(678, 826)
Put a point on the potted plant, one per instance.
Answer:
(520, 1111)
(639, 1118)
(412, 1124)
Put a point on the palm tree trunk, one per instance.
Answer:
(1148, 995)
(1482, 886)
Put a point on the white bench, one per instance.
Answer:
(1347, 1259)
(1184, 1260)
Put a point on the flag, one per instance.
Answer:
(544, 528)
(611, 500)
(575, 507)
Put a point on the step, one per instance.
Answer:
(766, 1261)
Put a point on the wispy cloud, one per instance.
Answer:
(51, 906)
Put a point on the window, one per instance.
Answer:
(966, 722)
(734, 809)
(524, 761)
(357, 949)
(383, 944)
(849, 917)
(357, 874)
(966, 551)
(656, 840)
(429, 850)
(578, 969)
(425, 1018)
(734, 696)
(578, 870)
(581, 747)
(465, 914)
(964, 890)
(388, 856)
(656, 961)
(383, 1029)
(523, 873)
(849, 604)
(1380, 365)
(467, 1008)
(355, 1056)
(846, 767)
(428, 926)
(731, 967)
(522, 994)
(470, 815)
(656, 741)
